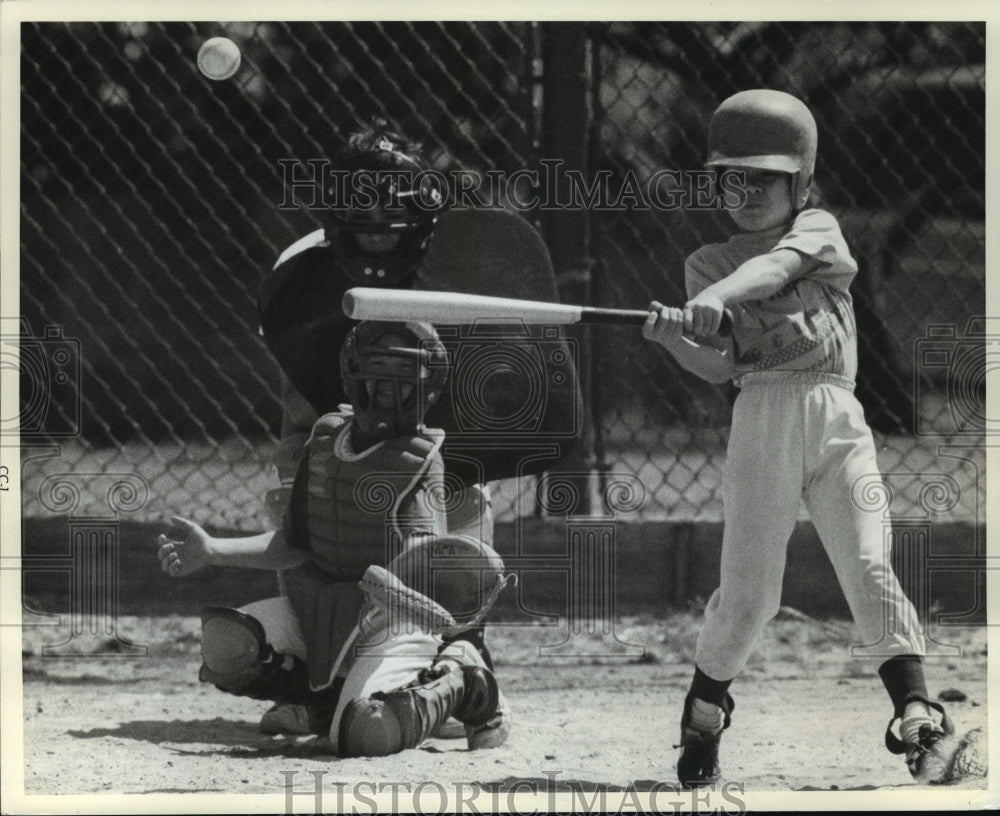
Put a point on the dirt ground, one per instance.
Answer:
(601, 721)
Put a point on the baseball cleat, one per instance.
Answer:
(285, 719)
(491, 734)
(698, 765)
(931, 755)
(289, 718)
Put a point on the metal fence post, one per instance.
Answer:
(566, 132)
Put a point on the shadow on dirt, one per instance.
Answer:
(835, 788)
(31, 674)
(236, 738)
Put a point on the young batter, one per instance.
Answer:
(797, 430)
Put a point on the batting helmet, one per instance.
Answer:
(382, 186)
(769, 130)
(392, 373)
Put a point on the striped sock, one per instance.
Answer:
(706, 716)
(916, 714)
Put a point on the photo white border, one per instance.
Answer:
(13, 12)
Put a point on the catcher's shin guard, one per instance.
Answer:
(698, 765)
(237, 659)
(494, 732)
(389, 722)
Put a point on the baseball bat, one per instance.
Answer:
(457, 308)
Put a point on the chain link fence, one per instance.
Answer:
(151, 207)
(900, 111)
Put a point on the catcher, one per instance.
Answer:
(375, 592)
(304, 326)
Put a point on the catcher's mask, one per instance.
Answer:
(392, 373)
(382, 189)
(768, 130)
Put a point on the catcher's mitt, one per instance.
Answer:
(444, 585)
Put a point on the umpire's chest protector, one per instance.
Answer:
(359, 505)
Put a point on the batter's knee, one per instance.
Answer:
(751, 610)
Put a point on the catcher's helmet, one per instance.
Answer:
(392, 373)
(769, 130)
(384, 187)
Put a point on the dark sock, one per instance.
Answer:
(706, 688)
(903, 677)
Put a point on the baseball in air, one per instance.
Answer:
(219, 58)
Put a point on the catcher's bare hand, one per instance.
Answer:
(192, 553)
(665, 325)
(703, 315)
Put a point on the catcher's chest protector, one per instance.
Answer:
(354, 499)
